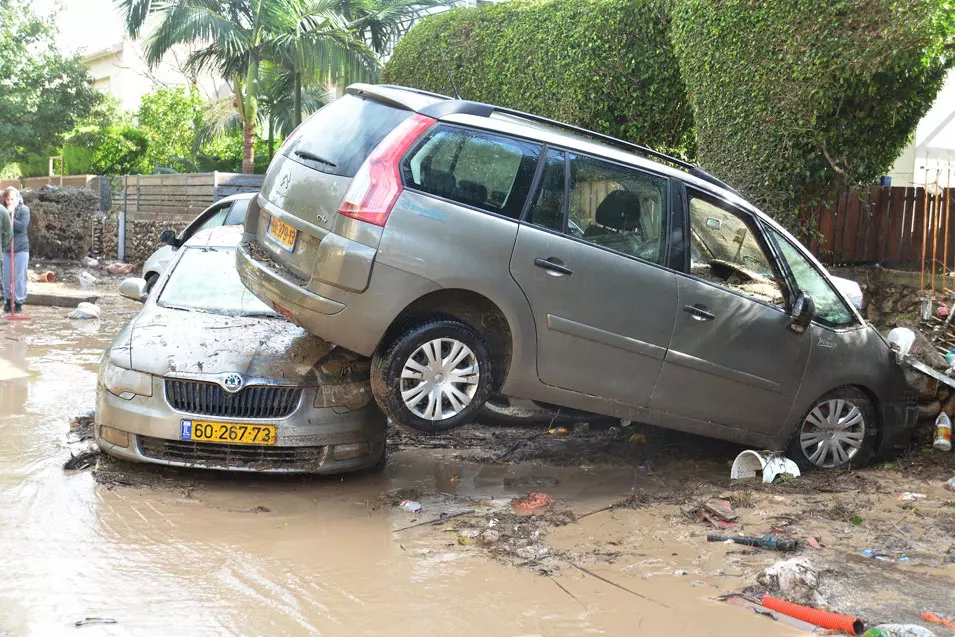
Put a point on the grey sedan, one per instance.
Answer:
(207, 376)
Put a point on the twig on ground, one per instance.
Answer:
(436, 521)
(614, 584)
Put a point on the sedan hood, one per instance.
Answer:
(198, 343)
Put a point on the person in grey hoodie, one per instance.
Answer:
(19, 215)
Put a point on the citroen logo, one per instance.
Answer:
(284, 183)
(232, 383)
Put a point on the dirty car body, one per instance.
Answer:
(472, 250)
(206, 376)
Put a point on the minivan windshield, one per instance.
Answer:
(205, 280)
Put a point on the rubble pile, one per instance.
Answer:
(62, 221)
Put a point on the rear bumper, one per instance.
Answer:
(305, 443)
(356, 322)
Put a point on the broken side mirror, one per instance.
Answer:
(804, 310)
(169, 238)
(135, 289)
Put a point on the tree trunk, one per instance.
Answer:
(297, 105)
(248, 148)
(271, 138)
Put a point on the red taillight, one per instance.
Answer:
(377, 183)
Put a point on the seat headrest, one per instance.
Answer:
(472, 191)
(620, 210)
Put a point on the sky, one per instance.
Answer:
(89, 24)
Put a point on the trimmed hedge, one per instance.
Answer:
(776, 86)
(606, 65)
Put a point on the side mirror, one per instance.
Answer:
(804, 309)
(135, 289)
(169, 238)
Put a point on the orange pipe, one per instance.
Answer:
(821, 618)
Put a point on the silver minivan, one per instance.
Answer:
(471, 249)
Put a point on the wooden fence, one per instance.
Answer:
(884, 225)
(179, 198)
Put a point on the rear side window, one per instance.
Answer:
(474, 168)
(338, 138)
(237, 214)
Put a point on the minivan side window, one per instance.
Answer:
(547, 209)
(474, 168)
(831, 309)
(617, 207)
(725, 249)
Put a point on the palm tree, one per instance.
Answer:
(234, 37)
(381, 23)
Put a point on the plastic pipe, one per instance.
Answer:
(816, 617)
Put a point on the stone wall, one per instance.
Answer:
(63, 222)
(142, 237)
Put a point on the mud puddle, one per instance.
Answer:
(206, 553)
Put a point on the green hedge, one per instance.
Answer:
(775, 86)
(606, 65)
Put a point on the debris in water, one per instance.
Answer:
(533, 502)
(719, 513)
(908, 496)
(81, 461)
(558, 431)
(933, 618)
(84, 311)
(816, 617)
(898, 630)
(410, 506)
(794, 579)
(770, 542)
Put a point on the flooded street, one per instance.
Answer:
(204, 553)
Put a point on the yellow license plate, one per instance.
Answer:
(283, 233)
(201, 431)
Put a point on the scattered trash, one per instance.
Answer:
(935, 619)
(680, 572)
(532, 502)
(719, 513)
(901, 339)
(811, 541)
(768, 464)
(558, 431)
(637, 439)
(121, 268)
(86, 280)
(794, 579)
(898, 630)
(883, 557)
(81, 461)
(943, 432)
(410, 506)
(90, 262)
(770, 542)
(48, 277)
(89, 621)
(942, 311)
(908, 496)
(816, 617)
(949, 484)
(84, 311)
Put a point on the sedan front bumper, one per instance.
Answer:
(306, 440)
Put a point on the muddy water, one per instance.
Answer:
(214, 554)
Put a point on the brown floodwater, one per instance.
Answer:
(215, 554)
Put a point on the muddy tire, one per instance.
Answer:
(433, 375)
(838, 432)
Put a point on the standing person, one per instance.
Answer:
(19, 217)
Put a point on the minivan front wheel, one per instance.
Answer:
(434, 376)
(837, 432)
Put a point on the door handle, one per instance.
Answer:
(698, 312)
(553, 264)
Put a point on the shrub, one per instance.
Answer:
(790, 97)
(606, 65)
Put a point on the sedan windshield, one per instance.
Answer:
(205, 280)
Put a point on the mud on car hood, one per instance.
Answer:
(167, 341)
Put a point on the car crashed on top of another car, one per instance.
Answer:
(207, 376)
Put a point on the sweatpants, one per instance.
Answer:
(21, 261)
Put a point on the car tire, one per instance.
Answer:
(151, 279)
(416, 400)
(838, 432)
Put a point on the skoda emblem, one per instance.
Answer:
(232, 383)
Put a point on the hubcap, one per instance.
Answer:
(439, 379)
(832, 433)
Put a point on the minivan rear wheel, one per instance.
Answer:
(433, 376)
(837, 432)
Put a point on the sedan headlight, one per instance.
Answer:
(125, 383)
(353, 396)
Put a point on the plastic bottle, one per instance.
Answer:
(943, 432)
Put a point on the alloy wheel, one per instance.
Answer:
(832, 433)
(439, 379)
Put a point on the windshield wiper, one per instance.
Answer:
(304, 154)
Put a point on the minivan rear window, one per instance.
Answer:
(340, 136)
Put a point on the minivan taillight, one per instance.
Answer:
(377, 184)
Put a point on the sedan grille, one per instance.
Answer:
(209, 399)
(213, 454)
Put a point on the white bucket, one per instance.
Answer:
(903, 338)
(749, 464)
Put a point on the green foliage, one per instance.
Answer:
(606, 65)
(120, 150)
(43, 92)
(224, 153)
(170, 119)
(777, 86)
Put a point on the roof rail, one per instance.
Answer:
(415, 90)
(694, 170)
